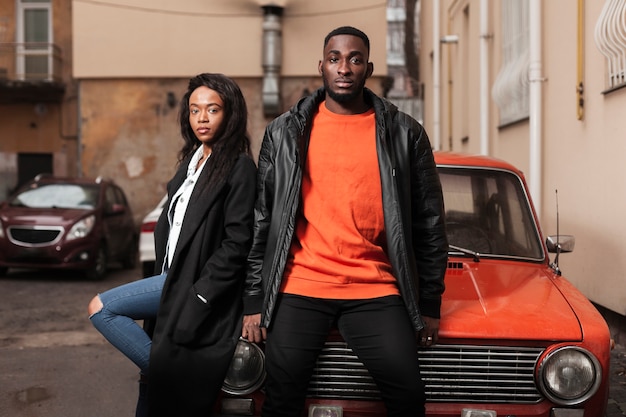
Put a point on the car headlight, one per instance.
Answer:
(81, 228)
(569, 375)
(247, 369)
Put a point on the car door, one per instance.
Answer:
(116, 226)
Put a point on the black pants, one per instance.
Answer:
(378, 330)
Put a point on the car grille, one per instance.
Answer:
(452, 373)
(35, 235)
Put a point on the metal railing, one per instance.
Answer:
(610, 37)
(30, 62)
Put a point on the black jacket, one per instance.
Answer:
(412, 204)
(193, 342)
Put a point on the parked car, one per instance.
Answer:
(516, 337)
(67, 223)
(146, 239)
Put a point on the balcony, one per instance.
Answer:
(30, 72)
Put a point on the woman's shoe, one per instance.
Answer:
(142, 400)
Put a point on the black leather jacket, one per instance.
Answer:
(412, 205)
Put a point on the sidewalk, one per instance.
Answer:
(617, 390)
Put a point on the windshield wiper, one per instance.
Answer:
(464, 251)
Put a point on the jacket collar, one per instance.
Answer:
(308, 105)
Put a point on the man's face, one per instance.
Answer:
(345, 68)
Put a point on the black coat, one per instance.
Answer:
(193, 342)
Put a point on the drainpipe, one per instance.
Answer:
(580, 57)
(79, 132)
(535, 78)
(436, 78)
(484, 78)
(272, 58)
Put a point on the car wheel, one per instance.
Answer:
(129, 261)
(98, 271)
(148, 269)
(3, 271)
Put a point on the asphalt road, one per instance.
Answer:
(616, 406)
(53, 363)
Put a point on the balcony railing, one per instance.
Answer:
(31, 70)
(32, 61)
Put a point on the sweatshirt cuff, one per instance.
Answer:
(252, 305)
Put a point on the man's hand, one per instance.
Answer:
(430, 333)
(251, 330)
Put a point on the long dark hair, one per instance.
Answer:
(232, 139)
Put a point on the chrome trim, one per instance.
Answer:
(452, 373)
(58, 237)
(574, 401)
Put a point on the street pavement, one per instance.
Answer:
(617, 389)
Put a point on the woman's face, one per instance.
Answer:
(206, 114)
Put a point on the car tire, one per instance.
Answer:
(147, 268)
(129, 261)
(3, 271)
(98, 271)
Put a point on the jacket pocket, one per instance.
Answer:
(193, 322)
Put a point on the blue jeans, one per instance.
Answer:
(137, 300)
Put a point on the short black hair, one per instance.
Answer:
(348, 30)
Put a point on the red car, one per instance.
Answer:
(67, 223)
(516, 338)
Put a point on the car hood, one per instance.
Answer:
(505, 300)
(13, 216)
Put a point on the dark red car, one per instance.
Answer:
(67, 223)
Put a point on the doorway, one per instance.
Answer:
(30, 165)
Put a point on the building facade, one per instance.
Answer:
(541, 84)
(132, 64)
(92, 88)
(38, 96)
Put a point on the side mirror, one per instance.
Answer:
(560, 243)
(116, 209)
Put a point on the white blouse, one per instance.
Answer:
(178, 205)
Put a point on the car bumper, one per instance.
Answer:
(146, 247)
(73, 255)
(338, 408)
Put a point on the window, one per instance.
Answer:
(35, 50)
(610, 38)
(511, 89)
(487, 211)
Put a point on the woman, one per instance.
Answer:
(202, 239)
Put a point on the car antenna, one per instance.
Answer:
(555, 265)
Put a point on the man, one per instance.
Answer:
(349, 232)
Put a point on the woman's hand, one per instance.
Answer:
(251, 330)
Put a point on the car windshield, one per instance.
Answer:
(488, 213)
(57, 196)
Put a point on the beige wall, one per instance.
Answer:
(585, 159)
(582, 159)
(130, 134)
(128, 58)
(148, 38)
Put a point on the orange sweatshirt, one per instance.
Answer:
(338, 247)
